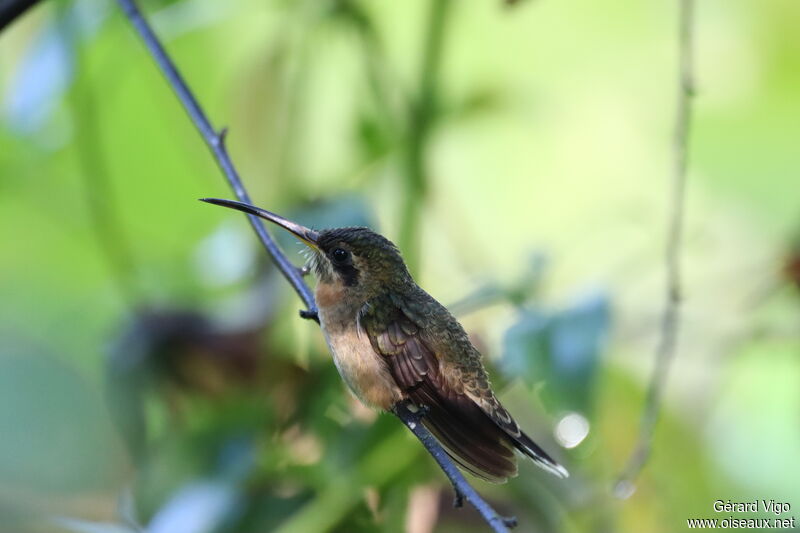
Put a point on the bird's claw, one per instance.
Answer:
(509, 521)
(414, 412)
(458, 501)
(309, 314)
(418, 412)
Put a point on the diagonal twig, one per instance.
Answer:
(215, 141)
(670, 319)
(10, 10)
(464, 491)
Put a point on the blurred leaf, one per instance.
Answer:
(518, 292)
(373, 136)
(333, 212)
(479, 102)
(227, 256)
(338, 211)
(525, 346)
(578, 337)
(201, 507)
(55, 433)
(48, 65)
(85, 526)
(561, 348)
(40, 81)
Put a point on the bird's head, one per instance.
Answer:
(359, 259)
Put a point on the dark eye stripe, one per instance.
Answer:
(349, 274)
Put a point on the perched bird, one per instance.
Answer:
(392, 342)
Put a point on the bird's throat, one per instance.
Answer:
(361, 368)
(330, 295)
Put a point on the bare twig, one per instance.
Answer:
(670, 321)
(216, 143)
(293, 274)
(464, 491)
(10, 10)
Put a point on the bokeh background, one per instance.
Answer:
(154, 375)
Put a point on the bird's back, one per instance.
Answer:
(434, 363)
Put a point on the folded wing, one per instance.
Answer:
(477, 432)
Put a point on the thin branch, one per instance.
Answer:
(464, 491)
(670, 321)
(293, 274)
(10, 10)
(216, 143)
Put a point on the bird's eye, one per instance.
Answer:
(340, 255)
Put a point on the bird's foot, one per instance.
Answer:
(413, 412)
(458, 500)
(508, 521)
(309, 314)
(418, 411)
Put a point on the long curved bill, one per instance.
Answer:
(307, 235)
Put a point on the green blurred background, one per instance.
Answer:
(154, 374)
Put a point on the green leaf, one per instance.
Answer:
(561, 348)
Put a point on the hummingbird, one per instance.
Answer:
(392, 342)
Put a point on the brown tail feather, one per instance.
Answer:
(470, 437)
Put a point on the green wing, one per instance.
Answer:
(463, 413)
